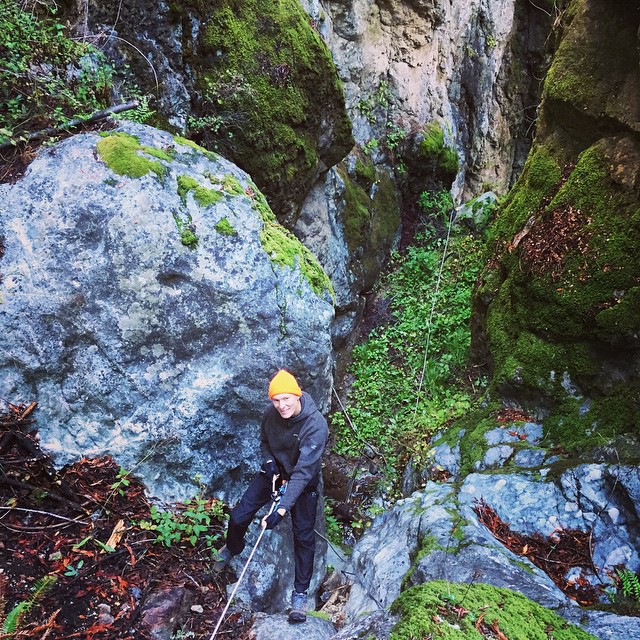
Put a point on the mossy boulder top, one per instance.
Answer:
(147, 296)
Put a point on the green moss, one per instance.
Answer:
(229, 184)
(159, 153)
(356, 214)
(581, 425)
(433, 148)
(188, 238)
(196, 147)
(451, 611)
(284, 249)
(591, 67)
(123, 154)
(203, 197)
(385, 220)
(370, 221)
(225, 228)
(550, 331)
(270, 83)
(541, 175)
(365, 171)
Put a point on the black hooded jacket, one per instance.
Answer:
(296, 444)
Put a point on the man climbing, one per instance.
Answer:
(293, 435)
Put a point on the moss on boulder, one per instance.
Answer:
(558, 305)
(454, 611)
(270, 96)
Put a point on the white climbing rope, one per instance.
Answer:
(263, 528)
(433, 307)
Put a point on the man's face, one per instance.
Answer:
(287, 405)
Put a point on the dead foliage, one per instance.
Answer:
(512, 415)
(556, 554)
(79, 525)
(549, 237)
(552, 237)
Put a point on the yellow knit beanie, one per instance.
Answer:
(284, 382)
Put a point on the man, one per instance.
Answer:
(293, 435)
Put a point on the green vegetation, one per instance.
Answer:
(266, 87)
(202, 196)
(47, 79)
(284, 249)
(374, 106)
(194, 519)
(124, 155)
(225, 228)
(562, 279)
(13, 620)
(408, 375)
(434, 149)
(371, 214)
(453, 611)
(590, 67)
(626, 597)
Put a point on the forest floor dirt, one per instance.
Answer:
(77, 559)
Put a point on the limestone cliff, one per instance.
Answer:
(472, 67)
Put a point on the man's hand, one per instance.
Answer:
(269, 468)
(273, 519)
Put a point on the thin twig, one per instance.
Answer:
(76, 122)
(45, 513)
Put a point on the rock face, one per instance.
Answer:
(468, 66)
(147, 296)
(436, 534)
(557, 311)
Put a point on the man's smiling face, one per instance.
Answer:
(287, 405)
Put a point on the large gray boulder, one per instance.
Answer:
(435, 534)
(147, 295)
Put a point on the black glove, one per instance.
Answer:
(273, 520)
(269, 468)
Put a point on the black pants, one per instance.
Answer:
(303, 518)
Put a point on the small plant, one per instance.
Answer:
(141, 113)
(14, 618)
(626, 596)
(122, 481)
(72, 571)
(629, 583)
(370, 146)
(194, 520)
(333, 526)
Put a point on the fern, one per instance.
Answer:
(629, 584)
(40, 588)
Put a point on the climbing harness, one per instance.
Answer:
(276, 495)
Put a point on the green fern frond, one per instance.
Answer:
(41, 587)
(629, 584)
(14, 617)
(38, 591)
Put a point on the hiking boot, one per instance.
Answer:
(298, 611)
(224, 558)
